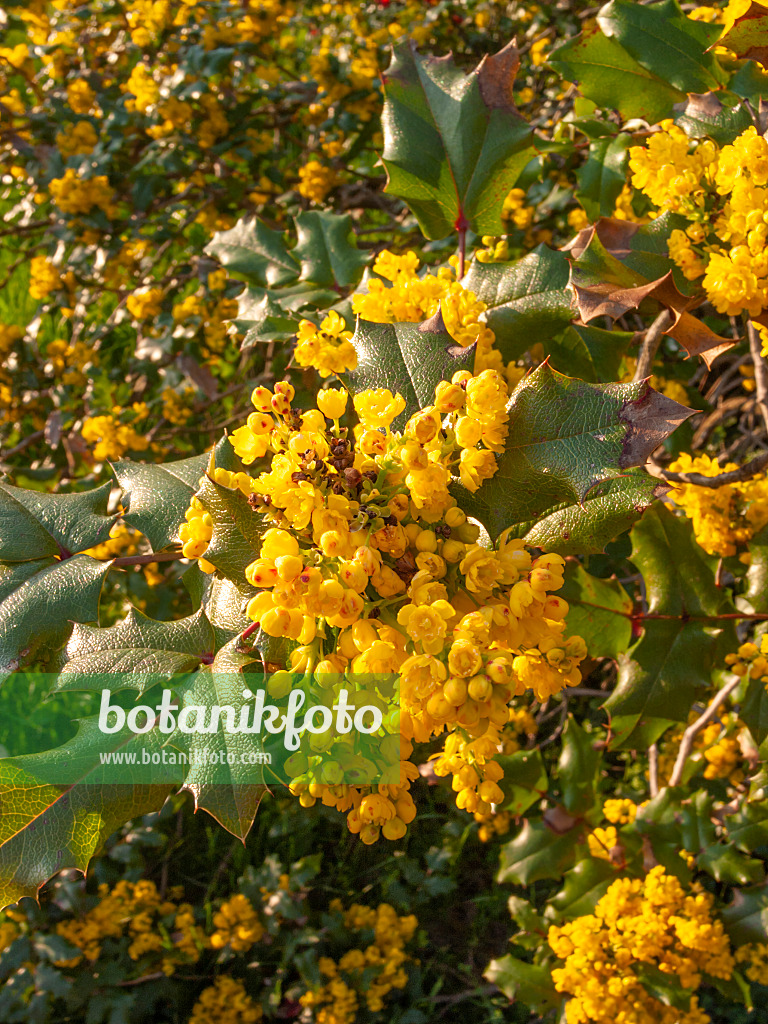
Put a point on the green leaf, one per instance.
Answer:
(232, 794)
(157, 496)
(754, 710)
(537, 852)
(34, 524)
(600, 611)
(236, 538)
(748, 36)
(601, 178)
(409, 359)
(40, 600)
(715, 116)
(137, 651)
(583, 886)
(757, 575)
(590, 353)
(748, 828)
(48, 826)
(524, 782)
(607, 74)
(584, 528)
(577, 769)
(566, 436)
(525, 983)
(454, 143)
(328, 250)
(528, 300)
(665, 42)
(257, 252)
(261, 318)
(660, 676)
(746, 918)
(222, 600)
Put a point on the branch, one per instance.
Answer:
(653, 769)
(761, 371)
(160, 556)
(651, 344)
(690, 734)
(733, 476)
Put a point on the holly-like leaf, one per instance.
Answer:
(583, 886)
(220, 781)
(665, 42)
(746, 917)
(710, 116)
(327, 250)
(537, 852)
(609, 76)
(747, 35)
(257, 252)
(34, 524)
(682, 637)
(600, 611)
(524, 983)
(589, 353)
(157, 496)
(528, 300)
(584, 528)
(236, 538)
(454, 143)
(610, 275)
(566, 436)
(136, 652)
(260, 318)
(577, 769)
(40, 600)
(222, 600)
(524, 782)
(409, 359)
(602, 176)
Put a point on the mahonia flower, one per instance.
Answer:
(363, 543)
(328, 348)
(653, 922)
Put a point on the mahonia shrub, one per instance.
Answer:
(490, 426)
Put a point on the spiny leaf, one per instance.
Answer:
(137, 651)
(747, 35)
(537, 852)
(599, 611)
(665, 42)
(232, 794)
(609, 76)
(708, 116)
(409, 359)
(528, 300)
(252, 249)
(566, 436)
(681, 641)
(522, 982)
(222, 600)
(601, 178)
(589, 353)
(454, 144)
(327, 249)
(34, 524)
(237, 530)
(40, 600)
(609, 278)
(157, 496)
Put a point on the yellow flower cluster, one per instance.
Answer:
(652, 922)
(491, 819)
(724, 518)
(327, 348)
(145, 303)
(225, 1002)
(138, 911)
(110, 438)
(44, 278)
(78, 139)
(237, 925)
(69, 362)
(73, 194)
(411, 297)
(723, 194)
(363, 976)
(316, 180)
(367, 562)
(123, 540)
(755, 955)
(176, 407)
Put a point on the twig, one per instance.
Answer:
(761, 371)
(159, 556)
(651, 344)
(653, 769)
(29, 439)
(733, 476)
(686, 744)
